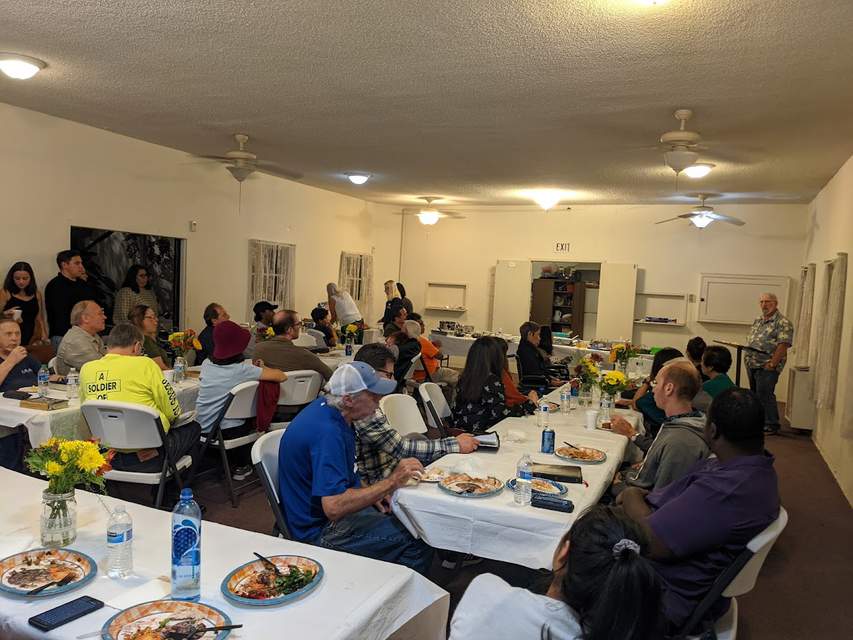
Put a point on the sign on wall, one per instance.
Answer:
(561, 247)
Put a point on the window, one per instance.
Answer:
(270, 274)
(356, 276)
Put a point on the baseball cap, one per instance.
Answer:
(262, 306)
(353, 377)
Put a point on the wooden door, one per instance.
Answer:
(542, 307)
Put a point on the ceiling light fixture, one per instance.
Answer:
(701, 221)
(20, 67)
(428, 216)
(698, 170)
(546, 198)
(358, 178)
(679, 159)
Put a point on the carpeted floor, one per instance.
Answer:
(802, 592)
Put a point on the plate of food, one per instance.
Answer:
(23, 572)
(586, 455)
(257, 584)
(159, 619)
(434, 474)
(466, 486)
(542, 485)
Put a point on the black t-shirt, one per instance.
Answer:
(327, 331)
(60, 295)
(23, 374)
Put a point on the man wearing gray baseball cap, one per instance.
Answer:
(324, 502)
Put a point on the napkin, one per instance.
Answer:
(471, 466)
(515, 435)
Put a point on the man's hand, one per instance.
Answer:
(437, 344)
(16, 355)
(467, 443)
(258, 362)
(383, 505)
(407, 469)
(631, 491)
(770, 366)
(620, 425)
(534, 397)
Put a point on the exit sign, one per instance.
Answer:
(561, 247)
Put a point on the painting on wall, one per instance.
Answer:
(108, 255)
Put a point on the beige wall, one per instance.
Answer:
(670, 256)
(55, 173)
(830, 232)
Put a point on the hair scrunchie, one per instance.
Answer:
(623, 544)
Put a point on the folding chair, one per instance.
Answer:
(51, 365)
(122, 425)
(265, 461)
(306, 340)
(739, 578)
(403, 414)
(436, 406)
(241, 404)
(301, 388)
(318, 336)
(528, 382)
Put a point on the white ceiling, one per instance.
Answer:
(467, 100)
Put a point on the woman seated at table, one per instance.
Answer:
(145, 318)
(532, 366)
(602, 588)
(644, 399)
(514, 397)
(408, 347)
(323, 324)
(480, 395)
(716, 362)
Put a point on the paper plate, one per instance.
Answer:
(151, 615)
(567, 455)
(435, 474)
(242, 577)
(557, 488)
(27, 570)
(454, 484)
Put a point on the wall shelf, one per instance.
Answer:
(447, 309)
(660, 304)
(446, 296)
(660, 324)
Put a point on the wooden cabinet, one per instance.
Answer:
(558, 304)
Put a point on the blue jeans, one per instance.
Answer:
(376, 535)
(762, 382)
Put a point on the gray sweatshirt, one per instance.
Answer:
(680, 443)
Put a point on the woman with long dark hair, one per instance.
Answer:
(513, 396)
(480, 395)
(21, 300)
(145, 319)
(602, 588)
(135, 290)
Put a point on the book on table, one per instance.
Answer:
(489, 440)
(43, 403)
(560, 472)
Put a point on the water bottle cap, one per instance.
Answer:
(186, 494)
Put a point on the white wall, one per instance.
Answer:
(830, 232)
(670, 256)
(55, 173)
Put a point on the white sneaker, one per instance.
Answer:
(241, 473)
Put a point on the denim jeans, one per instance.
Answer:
(376, 535)
(762, 382)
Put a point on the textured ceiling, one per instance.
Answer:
(469, 100)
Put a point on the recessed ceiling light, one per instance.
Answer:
(20, 67)
(698, 170)
(546, 198)
(358, 178)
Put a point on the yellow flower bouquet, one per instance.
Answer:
(587, 372)
(183, 341)
(613, 382)
(621, 353)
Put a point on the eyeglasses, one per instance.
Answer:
(385, 373)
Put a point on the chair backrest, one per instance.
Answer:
(243, 401)
(403, 414)
(52, 364)
(413, 366)
(300, 388)
(434, 400)
(318, 336)
(306, 340)
(371, 335)
(265, 460)
(760, 546)
(123, 425)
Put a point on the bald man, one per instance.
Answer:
(680, 443)
(772, 334)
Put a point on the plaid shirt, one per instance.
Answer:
(379, 447)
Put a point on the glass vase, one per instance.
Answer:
(585, 396)
(58, 519)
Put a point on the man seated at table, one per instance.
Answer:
(82, 343)
(17, 367)
(378, 446)
(716, 362)
(431, 355)
(125, 375)
(280, 353)
(214, 313)
(324, 502)
(680, 443)
(699, 524)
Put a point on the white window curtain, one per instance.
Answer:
(356, 276)
(828, 339)
(803, 315)
(271, 277)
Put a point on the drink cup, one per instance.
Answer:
(169, 374)
(17, 314)
(591, 419)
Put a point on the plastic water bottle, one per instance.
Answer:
(72, 384)
(119, 543)
(186, 548)
(542, 415)
(523, 477)
(43, 378)
(565, 399)
(180, 369)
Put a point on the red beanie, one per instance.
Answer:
(229, 340)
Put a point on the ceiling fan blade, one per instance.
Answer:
(684, 215)
(276, 170)
(724, 218)
(217, 158)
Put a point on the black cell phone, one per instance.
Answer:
(16, 395)
(65, 613)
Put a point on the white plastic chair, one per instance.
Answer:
(305, 340)
(403, 414)
(371, 335)
(242, 404)
(318, 336)
(265, 461)
(737, 580)
(301, 388)
(123, 425)
(51, 365)
(436, 405)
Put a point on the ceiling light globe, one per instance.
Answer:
(428, 217)
(358, 178)
(679, 159)
(698, 170)
(701, 221)
(20, 67)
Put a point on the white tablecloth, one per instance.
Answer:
(68, 422)
(358, 597)
(495, 527)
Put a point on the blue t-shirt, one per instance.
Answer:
(216, 381)
(316, 458)
(23, 374)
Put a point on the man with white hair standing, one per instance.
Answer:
(324, 502)
(770, 337)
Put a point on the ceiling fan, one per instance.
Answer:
(242, 163)
(429, 214)
(681, 144)
(703, 215)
